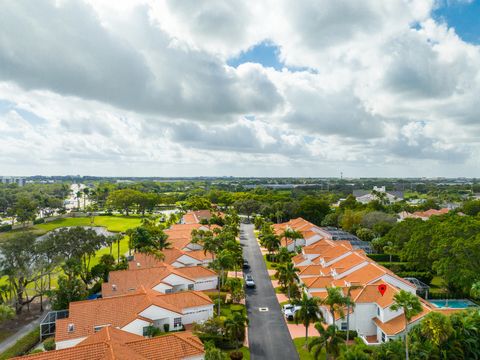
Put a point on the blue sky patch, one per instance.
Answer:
(464, 16)
(265, 53)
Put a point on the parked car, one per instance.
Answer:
(289, 311)
(246, 265)
(249, 283)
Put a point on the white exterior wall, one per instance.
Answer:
(361, 321)
(198, 357)
(176, 280)
(161, 288)
(191, 247)
(68, 343)
(136, 326)
(197, 314)
(388, 314)
(189, 261)
(206, 283)
(155, 312)
(313, 239)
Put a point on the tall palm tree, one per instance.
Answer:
(329, 340)
(335, 302)
(437, 328)
(350, 305)
(308, 313)
(235, 327)
(224, 261)
(411, 306)
(287, 275)
(86, 192)
(283, 255)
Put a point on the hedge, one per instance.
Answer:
(397, 266)
(23, 345)
(343, 334)
(423, 276)
(38, 221)
(5, 227)
(383, 257)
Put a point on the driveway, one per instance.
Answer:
(268, 335)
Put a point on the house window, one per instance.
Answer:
(190, 286)
(378, 311)
(168, 291)
(146, 330)
(384, 337)
(177, 322)
(99, 327)
(343, 326)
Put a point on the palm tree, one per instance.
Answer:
(287, 275)
(335, 301)
(283, 255)
(86, 192)
(437, 328)
(350, 304)
(329, 340)
(411, 306)
(308, 313)
(291, 234)
(223, 261)
(271, 242)
(235, 327)
(235, 285)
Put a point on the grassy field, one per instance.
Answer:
(303, 352)
(111, 223)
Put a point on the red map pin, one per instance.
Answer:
(382, 288)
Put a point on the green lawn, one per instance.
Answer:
(111, 223)
(302, 352)
(270, 265)
(437, 286)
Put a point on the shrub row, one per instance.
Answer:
(383, 257)
(23, 345)
(423, 276)
(38, 221)
(5, 227)
(343, 334)
(397, 266)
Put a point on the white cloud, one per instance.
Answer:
(145, 84)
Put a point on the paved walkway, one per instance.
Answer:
(268, 334)
(24, 330)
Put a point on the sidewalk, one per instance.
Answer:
(24, 330)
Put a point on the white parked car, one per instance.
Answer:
(289, 311)
(249, 283)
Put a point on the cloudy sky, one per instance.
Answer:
(242, 88)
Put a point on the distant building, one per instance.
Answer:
(364, 196)
(20, 181)
(424, 215)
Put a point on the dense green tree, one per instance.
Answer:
(471, 207)
(313, 209)
(68, 290)
(235, 327)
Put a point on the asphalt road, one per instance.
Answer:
(268, 335)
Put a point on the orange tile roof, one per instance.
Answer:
(128, 281)
(349, 262)
(299, 258)
(371, 294)
(144, 261)
(118, 311)
(431, 212)
(194, 217)
(317, 282)
(397, 324)
(124, 346)
(310, 270)
(196, 272)
(199, 255)
(365, 274)
(334, 252)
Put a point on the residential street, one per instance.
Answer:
(268, 335)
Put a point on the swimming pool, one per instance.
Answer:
(453, 303)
